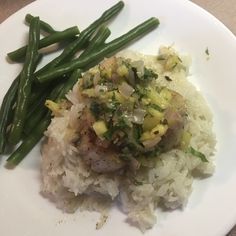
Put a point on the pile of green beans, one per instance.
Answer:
(23, 114)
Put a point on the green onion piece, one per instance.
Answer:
(197, 154)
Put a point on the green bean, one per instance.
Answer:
(37, 92)
(109, 49)
(35, 117)
(34, 120)
(36, 105)
(56, 94)
(6, 111)
(28, 143)
(55, 62)
(106, 16)
(97, 41)
(69, 84)
(25, 82)
(47, 41)
(43, 25)
(83, 38)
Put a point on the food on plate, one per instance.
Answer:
(24, 117)
(134, 130)
(126, 127)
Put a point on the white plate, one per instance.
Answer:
(211, 209)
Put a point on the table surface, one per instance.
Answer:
(224, 10)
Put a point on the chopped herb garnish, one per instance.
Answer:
(102, 81)
(95, 109)
(174, 65)
(207, 52)
(122, 123)
(112, 106)
(168, 78)
(141, 92)
(197, 154)
(164, 122)
(137, 132)
(149, 74)
(180, 59)
(118, 112)
(108, 135)
(119, 126)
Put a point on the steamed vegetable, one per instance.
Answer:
(38, 122)
(84, 37)
(48, 40)
(29, 142)
(26, 98)
(7, 110)
(24, 88)
(44, 26)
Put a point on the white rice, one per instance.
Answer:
(167, 182)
